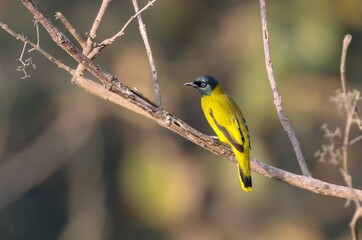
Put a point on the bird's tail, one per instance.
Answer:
(244, 170)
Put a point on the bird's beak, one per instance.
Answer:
(192, 84)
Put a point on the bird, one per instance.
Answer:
(227, 121)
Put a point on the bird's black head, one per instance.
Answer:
(205, 84)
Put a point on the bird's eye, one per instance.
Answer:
(202, 84)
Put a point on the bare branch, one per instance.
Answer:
(350, 108)
(70, 28)
(36, 47)
(93, 31)
(109, 41)
(28, 62)
(36, 25)
(88, 46)
(354, 222)
(356, 139)
(143, 31)
(277, 97)
(349, 103)
(24, 63)
(346, 41)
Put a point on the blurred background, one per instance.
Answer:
(73, 166)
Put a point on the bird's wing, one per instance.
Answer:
(229, 120)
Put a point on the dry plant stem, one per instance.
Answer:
(127, 99)
(277, 98)
(346, 41)
(347, 128)
(37, 34)
(346, 176)
(353, 141)
(36, 47)
(344, 170)
(143, 31)
(109, 41)
(354, 222)
(350, 109)
(23, 66)
(70, 28)
(97, 21)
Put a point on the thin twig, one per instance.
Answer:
(70, 28)
(37, 32)
(93, 31)
(354, 140)
(24, 63)
(29, 61)
(344, 170)
(350, 111)
(110, 40)
(350, 107)
(346, 41)
(88, 46)
(36, 47)
(277, 98)
(36, 25)
(143, 31)
(354, 222)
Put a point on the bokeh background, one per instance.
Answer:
(74, 166)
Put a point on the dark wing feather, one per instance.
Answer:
(238, 146)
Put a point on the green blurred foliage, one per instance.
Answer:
(130, 178)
